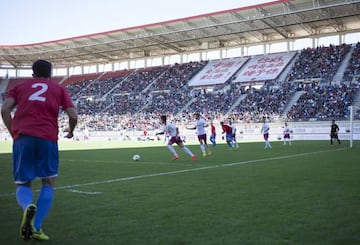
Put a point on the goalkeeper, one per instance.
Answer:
(334, 132)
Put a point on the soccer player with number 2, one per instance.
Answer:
(34, 129)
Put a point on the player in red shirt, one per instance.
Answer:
(213, 134)
(228, 134)
(34, 128)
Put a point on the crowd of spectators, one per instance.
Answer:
(321, 62)
(177, 76)
(353, 69)
(168, 102)
(135, 101)
(269, 101)
(127, 103)
(138, 80)
(98, 88)
(170, 90)
(324, 102)
(75, 89)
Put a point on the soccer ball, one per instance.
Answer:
(136, 157)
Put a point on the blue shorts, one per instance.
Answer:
(33, 158)
(229, 137)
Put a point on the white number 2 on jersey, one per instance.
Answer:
(37, 95)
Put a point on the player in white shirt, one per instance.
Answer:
(235, 143)
(265, 129)
(174, 137)
(286, 134)
(200, 126)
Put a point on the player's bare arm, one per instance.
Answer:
(73, 118)
(6, 109)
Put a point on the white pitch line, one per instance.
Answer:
(184, 170)
(85, 192)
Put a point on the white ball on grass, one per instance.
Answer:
(136, 157)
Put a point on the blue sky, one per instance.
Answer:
(32, 21)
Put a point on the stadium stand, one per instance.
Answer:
(323, 102)
(352, 72)
(269, 101)
(320, 63)
(139, 96)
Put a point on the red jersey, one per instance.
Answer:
(38, 103)
(213, 130)
(227, 129)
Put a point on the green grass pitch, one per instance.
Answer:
(307, 193)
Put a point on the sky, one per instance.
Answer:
(34, 21)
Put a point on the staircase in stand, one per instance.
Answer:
(292, 101)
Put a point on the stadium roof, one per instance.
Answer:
(274, 21)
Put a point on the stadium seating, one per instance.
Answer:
(146, 93)
(321, 62)
(352, 72)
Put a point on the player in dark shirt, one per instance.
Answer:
(334, 132)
